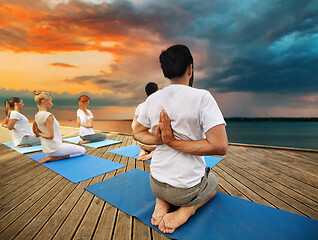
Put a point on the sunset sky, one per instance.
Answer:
(257, 58)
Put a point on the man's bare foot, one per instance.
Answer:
(173, 220)
(23, 145)
(146, 157)
(82, 142)
(141, 155)
(162, 207)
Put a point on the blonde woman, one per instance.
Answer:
(22, 135)
(47, 127)
(85, 122)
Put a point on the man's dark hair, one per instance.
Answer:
(175, 60)
(150, 88)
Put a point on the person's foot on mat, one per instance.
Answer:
(162, 207)
(46, 159)
(82, 142)
(141, 155)
(23, 145)
(145, 157)
(173, 220)
(50, 158)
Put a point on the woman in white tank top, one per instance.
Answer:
(22, 135)
(47, 127)
(85, 122)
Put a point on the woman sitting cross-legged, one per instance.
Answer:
(48, 128)
(85, 122)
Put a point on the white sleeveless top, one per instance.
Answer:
(48, 145)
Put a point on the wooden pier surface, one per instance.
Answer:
(37, 203)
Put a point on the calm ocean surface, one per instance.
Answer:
(283, 134)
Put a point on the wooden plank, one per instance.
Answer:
(268, 179)
(11, 216)
(20, 180)
(53, 224)
(28, 215)
(18, 171)
(107, 221)
(291, 161)
(87, 227)
(123, 225)
(29, 194)
(296, 185)
(38, 221)
(263, 190)
(271, 161)
(10, 193)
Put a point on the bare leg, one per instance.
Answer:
(83, 141)
(141, 154)
(173, 220)
(162, 207)
(147, 156)
(49, 158)
(23, 145)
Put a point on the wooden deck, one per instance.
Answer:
(36, 203)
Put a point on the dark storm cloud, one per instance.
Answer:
(252, 46)
(261, 47)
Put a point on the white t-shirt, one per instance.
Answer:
(48, 145)
(139, 109)
(192, 112)
(21, 127)
(85, 120)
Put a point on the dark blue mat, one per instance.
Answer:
(133, 151)
(24, 150)
(224, 217)
(98, 144)
(80, 168)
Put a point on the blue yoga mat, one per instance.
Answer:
(98, 144)
(224, 217)
(78, 169)
(24, 150)
(133, 151)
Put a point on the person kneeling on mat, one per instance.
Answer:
(146, 151)
(48, 128)
(188, 125)
(22, 135)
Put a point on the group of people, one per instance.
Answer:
(46, 129)
(176, 127)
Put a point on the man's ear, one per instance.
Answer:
(190, 69)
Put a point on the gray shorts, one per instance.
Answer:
(30, 140)
(96, 137)
(185, 196)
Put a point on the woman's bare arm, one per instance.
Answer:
(9, 123)
(49, 126)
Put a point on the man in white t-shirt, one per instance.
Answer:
(188, 125)
(146, 150)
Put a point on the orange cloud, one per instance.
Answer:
(62, 65)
